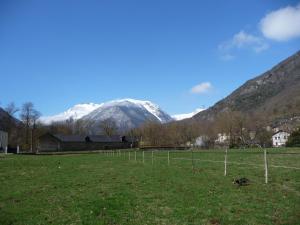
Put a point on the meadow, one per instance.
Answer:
(190, 188)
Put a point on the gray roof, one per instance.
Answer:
(93, 138)
(70, 138)
(103, 138)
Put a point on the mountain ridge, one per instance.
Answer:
(275, 93)
(126, 113)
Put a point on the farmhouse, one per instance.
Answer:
(280, 138)
(223, 138)
(58, 142)
(201, 141)
(3, 140)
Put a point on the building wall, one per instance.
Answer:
(279, 139)
(85, 146)
(48, 143)
(3, 140)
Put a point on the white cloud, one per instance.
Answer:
(242, 40)
(282, 24)
(202, 88)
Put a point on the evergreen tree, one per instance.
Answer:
(294, 139)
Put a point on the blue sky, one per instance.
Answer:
(181, 55)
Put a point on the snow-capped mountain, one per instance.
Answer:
(187, 115)
(76, 112)
(126, 113)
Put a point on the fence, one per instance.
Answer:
(257, 159)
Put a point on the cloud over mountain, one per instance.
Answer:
(282, 24)
(201, 88)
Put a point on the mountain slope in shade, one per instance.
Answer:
(4, 118)
(76, 112)
(186, 115)
(126, 113)
(276, 93)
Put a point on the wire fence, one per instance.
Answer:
(260, 165)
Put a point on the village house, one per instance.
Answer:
(58, 142)
(280, 138)
(3, 140)
(222, 139)
(201, 142)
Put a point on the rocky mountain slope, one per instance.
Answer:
(275, 93)
(5, 118)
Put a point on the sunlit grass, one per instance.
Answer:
(101, 189)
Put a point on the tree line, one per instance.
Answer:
(239, 130)
(236, 129)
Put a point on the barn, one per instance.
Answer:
(59, 142)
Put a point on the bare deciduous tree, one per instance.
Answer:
(29, 116)
(108, 127)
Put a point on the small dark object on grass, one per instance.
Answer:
(242, 181)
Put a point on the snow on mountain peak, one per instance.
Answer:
(81, 110)
(149, 106)
(76, 112)
(187, 115)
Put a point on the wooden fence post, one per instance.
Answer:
(5, 151)
(18, 149)
(193, 160)
(266, 166)
(152, 156)
(143, 157)
(225, 163)
(129, 156)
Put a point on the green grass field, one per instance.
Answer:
(101, 189)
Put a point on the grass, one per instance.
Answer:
(100, 189)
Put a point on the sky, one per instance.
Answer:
(182, 55)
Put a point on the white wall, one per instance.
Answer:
(279, 139)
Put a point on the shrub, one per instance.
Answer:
(294, 139)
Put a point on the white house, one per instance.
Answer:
(222, 138)
(3, 140)
(280, 138)
(201, 141)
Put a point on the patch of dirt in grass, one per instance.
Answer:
(166, 210)
(214, 222)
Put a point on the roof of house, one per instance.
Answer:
(103, 138)
(93, 138)
(69, 138)
(280, 131)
